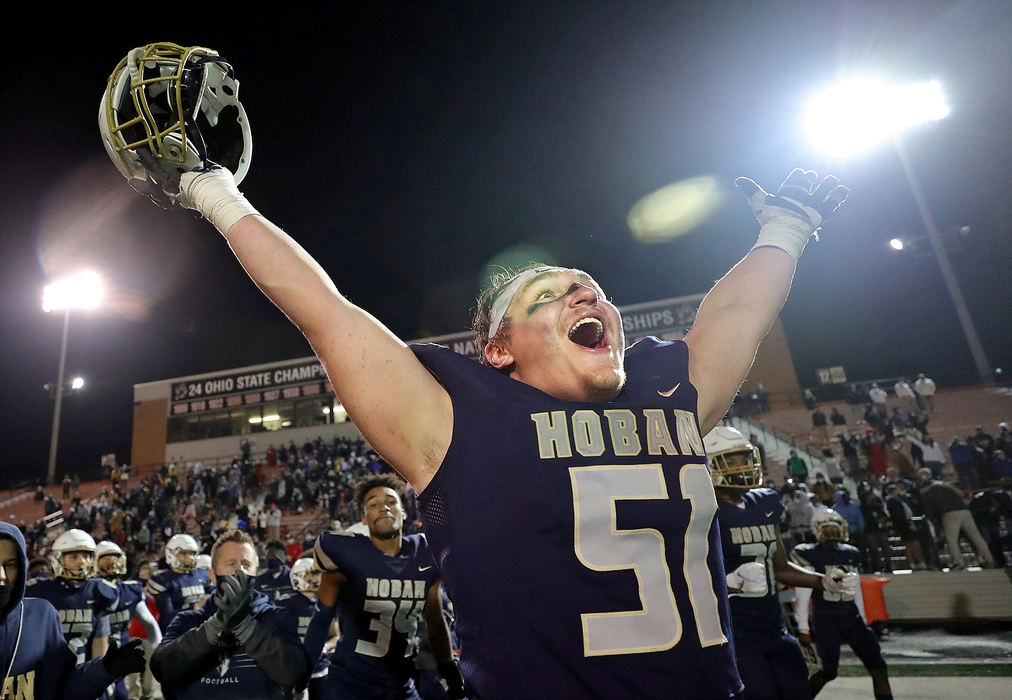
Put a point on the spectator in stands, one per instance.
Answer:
(1004, 440)
(849, 444)
(851, 512)
(963, 462)
(878, 396)
(837, 418)
(1002, 464)
(274, 522)
(754, 439)
(944, 503)
(932, 456)
(925, 389)
(856, 399)
(898, 455)
(905, 394)
(901, 515)
(986, 508)
(983, 451)
(763, 395)
(799, 513)
(876, 529)
(809, 398)
(796, 468)
(819, 426)
(833, 469)
(823, 490)
(66, 486)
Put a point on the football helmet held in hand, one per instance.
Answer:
(305, 577)
(169, 109)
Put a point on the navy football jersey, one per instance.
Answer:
(79, 604)
(749, 532)
(578, 541)
(302, 608)
(130, 593)
(380, 603)
(275, 586)
(174, 592)
(817, 557)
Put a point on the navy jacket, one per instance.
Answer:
(267, 667)
(43, 665)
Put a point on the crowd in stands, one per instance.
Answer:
(904, 490)
(204, 501)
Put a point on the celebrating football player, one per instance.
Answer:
(562, 453)
(182, 585)
(837, 616)
(769, 660)
(380, 586)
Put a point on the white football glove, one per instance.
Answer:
(801, 205)
(836, 580)
(215, 195)
(748, 580)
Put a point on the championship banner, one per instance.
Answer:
(299, 379)
(668, 319)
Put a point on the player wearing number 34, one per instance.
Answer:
(769, 659)
(562, 481)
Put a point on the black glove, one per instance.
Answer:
(454, 681)
(233, 598)
(121, 661)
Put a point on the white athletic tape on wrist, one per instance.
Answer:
(788, 233)
(216, 196)
(505, 297)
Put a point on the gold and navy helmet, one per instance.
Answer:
(734, 461)
(181, 553)
(119, 566)
(305, 576)
(71, 541)
(830, 526)
(168, 109)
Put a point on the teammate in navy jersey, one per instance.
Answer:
(381, 586)
(80, 600)
(182, 586)
(769, 660)
(275, 582)
(837, 617)
(36, 660)
(237, 645)
(112, 566)
(571, 464)
(302, 605)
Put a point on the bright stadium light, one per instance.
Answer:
(896, 243)
(855, 115)
(81, 291)
(77, 383)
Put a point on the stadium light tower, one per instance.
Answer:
(856, 115)
(81, 291)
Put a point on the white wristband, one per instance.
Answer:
(788, 233)
(215, 195)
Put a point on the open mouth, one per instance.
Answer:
(588, 332)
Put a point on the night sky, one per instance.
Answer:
(407, 144)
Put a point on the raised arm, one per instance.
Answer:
(737, 313)
(397, 404)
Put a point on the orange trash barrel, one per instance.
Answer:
(874, 599)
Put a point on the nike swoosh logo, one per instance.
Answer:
(671, 391)
(423, 568)
(769, 514)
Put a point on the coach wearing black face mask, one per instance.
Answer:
(238, 646)
(275, 583)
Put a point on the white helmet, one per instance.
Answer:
(168, 109)
(73, 541)
(734, 461)
(178, 544)
(305, 576)
(119, 567)
(204, 561)
(828, 525)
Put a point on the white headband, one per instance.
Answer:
(505, 298)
